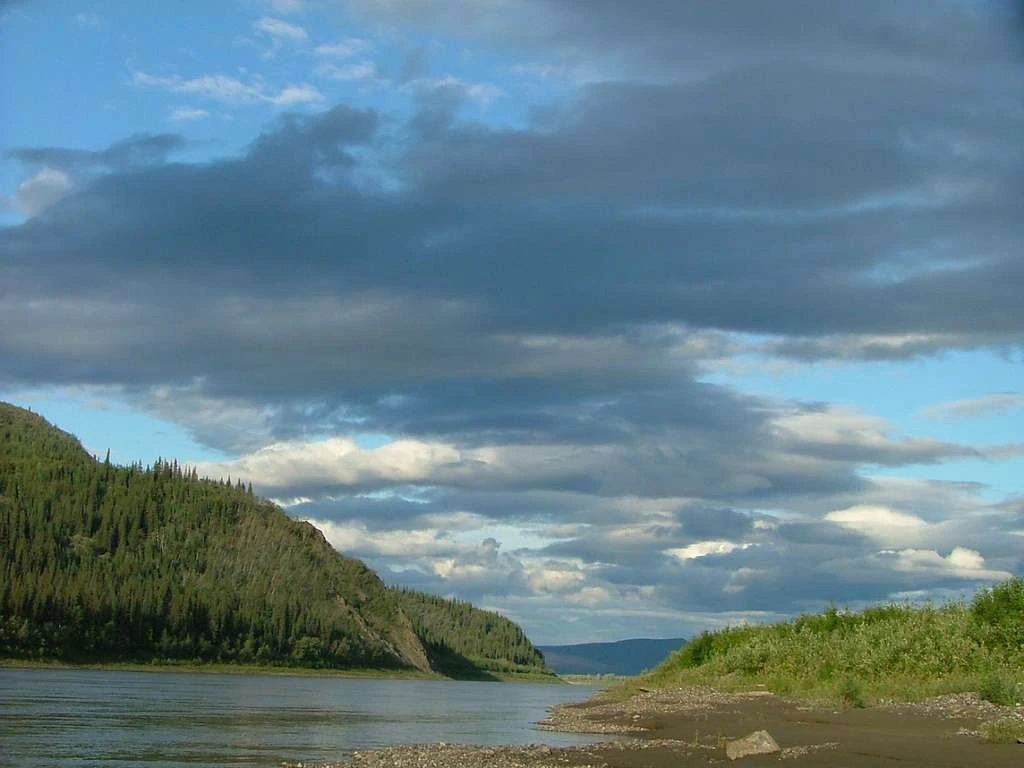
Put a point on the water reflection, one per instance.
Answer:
(181, 720)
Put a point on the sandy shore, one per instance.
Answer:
(691, 727)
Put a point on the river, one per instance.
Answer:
(118, 719)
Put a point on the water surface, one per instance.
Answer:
(108, 719)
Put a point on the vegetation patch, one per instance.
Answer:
(1005, 730)
(887, 652)
(1000, 690)
(154, 565)
(467, 642)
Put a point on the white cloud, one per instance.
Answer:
(286, 7)
(874, 520)
(397, 543)
(704, 548)
(186, 114)
(280, 33)
(482, 93)
(297, 94)
(994, 404)
(223, 88)
(87, 20)
(280, 30)
(960, 562)
(842, 432)
(343, 49)
(362, 70)
(229, 90)
(890, 527)
(834, 426)
(556, 578)
(39, 192)
(338, 461)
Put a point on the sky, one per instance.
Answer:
(622, 319)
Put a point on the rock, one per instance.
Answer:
(757, 743)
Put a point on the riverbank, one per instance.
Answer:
(222, 669)
(266, 669)
(693, 727)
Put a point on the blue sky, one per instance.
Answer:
(622, 319)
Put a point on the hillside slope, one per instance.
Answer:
(101, 562)
(464, 641)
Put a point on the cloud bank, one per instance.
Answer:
(528, 308)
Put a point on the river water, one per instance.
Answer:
(108, 719)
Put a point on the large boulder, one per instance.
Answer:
(757, 743)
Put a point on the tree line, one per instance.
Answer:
(105, 562)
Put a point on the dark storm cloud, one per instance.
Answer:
(708, 523)
(140, 149)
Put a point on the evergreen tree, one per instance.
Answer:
(101, 562)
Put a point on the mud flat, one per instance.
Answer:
(693, 726)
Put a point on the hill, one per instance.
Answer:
(884, 652)
(463, 641)
(103, 563)
(623, 657)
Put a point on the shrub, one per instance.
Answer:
(1006, 730)
(851, 693)
(1002, 691)
(998, 614)
(695, 652)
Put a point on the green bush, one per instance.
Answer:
(1006, 730)
(1000, 690)
(888, 651)
(851, 693)
(998, 614)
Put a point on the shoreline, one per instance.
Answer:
(679, 727)
(270, 670)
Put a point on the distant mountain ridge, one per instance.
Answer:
(622, 657)
(107, 563)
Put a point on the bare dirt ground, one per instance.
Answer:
(691, 726)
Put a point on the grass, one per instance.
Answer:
(1005, 730)
(889, 652)
(1001, 690)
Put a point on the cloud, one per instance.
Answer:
(705, 548)
(482, 93)
(280, 30)
(998, 403)
(279, 34)
(138, 150)
(186, 114)
(361, 70)
(960, 562)
(230, 90)
(843, 432)
(87, 20)
(880, 523)
(297, 94)
(40, 191)
(348, 48)
(530, 300)
(339, 462)
(284, 7)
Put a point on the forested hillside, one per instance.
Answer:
(101, 562)
(460, 638)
